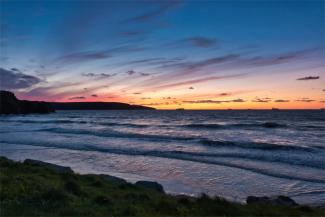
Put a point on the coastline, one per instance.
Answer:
(143, 197)
(84, 164)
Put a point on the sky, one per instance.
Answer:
(166, 54)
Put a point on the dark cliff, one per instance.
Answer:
(9, 104)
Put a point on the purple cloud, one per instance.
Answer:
(14, 79)
(130, 72)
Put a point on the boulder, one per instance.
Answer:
(152, 185)
(254, 200)
(9, 104)
(114, 179)
(277, 200)
(54, 167)
(285, 201)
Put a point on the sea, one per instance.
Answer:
(231, 154)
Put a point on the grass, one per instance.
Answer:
(30, 190)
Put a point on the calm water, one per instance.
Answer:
(232, 154)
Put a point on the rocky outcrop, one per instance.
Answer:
(277, 200)
(9, 104)
(54, 167)
(152, 185)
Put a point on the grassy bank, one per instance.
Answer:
(32, 190)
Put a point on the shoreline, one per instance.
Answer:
(172, 188)
(37, 170)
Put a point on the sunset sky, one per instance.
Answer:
(166, 54)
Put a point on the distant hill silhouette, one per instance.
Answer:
(97, 106)
(9, 104)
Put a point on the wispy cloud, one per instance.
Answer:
(209, 101)
(130, 72)
(130, 33)
(281, 100)
(262, 100)
(195, 41)
(238, 61)
(305, 100)
(260, 61)
(162, 8)
(133, 72)
(224, 94)
(145, 60)
(84, 56)
(98, 75)
(156, 104)
(77, 97)
(144, 74)
(212, 61)
(308, 78)
(202, 42)
(200, 80)
(238, 100)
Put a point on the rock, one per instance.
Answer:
(152, 185)
(56, 168)
(9, 104)
(277, 200)
(253, 199)
(114, 179)
(285, 201)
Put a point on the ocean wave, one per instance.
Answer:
(256, 145)
(179, 155)
(193, 139)
(67, 121)
(124, 124)
(117, 134)
(208, 126)
(239, 125)
(47, 121)
(312, 127)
